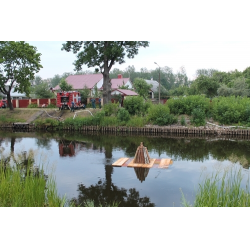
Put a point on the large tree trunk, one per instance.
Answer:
(106, 80)
(9, 101)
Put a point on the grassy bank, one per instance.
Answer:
(23, 184)
(221, 189)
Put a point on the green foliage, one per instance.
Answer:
(136, 121)
(229, 110)
(51, 106)
(19, 62)
(156, 111)
(23, 185)
(103, 54)
(183, 121)
(65, 86)
(186, 105)
(207, 85)
(85, 93)
(123, 115)
(111, 108)
(166, 119)
(198, 117)
(32, 105)
(142, 88)
(136, 105)
(4, 119)
(222, 190)
(42, 90)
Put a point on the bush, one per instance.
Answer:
(166, 119)
(136, 105)
(32, 105)
(123, 115)
(198, 117)
(157, 111)
(51, 106)
(186, 105)
(111, 108)
(229, 110)
(183, 121)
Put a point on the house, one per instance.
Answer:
(13, 95)
(120, 81)
(155, 87)
(79, 82)
(124, 93)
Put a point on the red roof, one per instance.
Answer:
(79, 81)
(116, 83)
(126, 92)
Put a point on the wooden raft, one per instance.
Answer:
(142, 160)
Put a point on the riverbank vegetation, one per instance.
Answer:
(222, 189)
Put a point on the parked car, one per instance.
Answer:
(3, 104)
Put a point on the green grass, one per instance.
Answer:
(222, 190)
(5, 119)
(22, 184)
(22, 187)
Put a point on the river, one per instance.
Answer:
(82, 164)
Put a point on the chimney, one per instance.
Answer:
(119, 76)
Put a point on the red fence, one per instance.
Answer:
(24, 103)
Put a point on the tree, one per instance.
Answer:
(207, 85)
(103, 54)
(55, 80)
(85, 93)
(240, 87)
(142, 88)
(205, 72)
(42, 91)
(64, 86)
(19, 62)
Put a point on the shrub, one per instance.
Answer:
(186, 105)
(166, 119)
(136, 105)
(51, 106)
(156, 111)
(183, 121)
(123, 115)
(111, 108)
(198, 117)
(32, 105)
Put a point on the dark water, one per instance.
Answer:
(82, 164)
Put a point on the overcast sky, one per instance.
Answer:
(224, 56)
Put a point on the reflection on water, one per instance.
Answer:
(141, 173)
(85, 172)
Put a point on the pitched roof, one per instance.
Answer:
(126, 91)
(155, 85)
(118, 82)
(79, 81)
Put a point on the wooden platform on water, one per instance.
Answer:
(154, 163)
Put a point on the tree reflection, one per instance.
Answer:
(105, 192)
(44, 143)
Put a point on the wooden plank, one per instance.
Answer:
(165, 163)
(139, 165)
(120, 162)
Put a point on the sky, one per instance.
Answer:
(192, 55)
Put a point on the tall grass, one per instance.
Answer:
(222, 190)
(22, 187)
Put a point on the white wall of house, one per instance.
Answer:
(129, 84)
(115, 92)
(100, 83)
